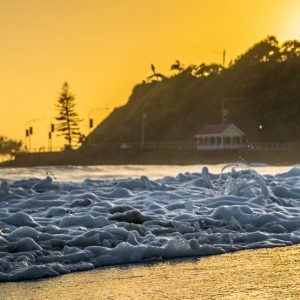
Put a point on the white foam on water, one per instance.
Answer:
(50, 227)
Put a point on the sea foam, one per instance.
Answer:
(48, 227)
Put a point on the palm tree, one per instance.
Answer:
(155, 75)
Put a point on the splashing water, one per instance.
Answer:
(51, 227)
(240, 180)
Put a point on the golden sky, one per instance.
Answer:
(103, 48)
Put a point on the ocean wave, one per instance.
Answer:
(50, 227)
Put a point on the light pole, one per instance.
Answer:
(50, 132)
(223, 53)
(143, 120)
(224, 111)
(91, 120)
(29, 131)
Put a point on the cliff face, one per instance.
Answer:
(262, 87)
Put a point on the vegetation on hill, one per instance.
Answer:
(260, 90)
(9, 146)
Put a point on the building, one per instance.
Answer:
(220, 136)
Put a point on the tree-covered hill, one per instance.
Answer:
(261, 87)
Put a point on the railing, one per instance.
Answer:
(272, 146)
(220, 146)
(171, 145)
(43, 150)
(179, 145)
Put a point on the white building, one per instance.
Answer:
(220, 136)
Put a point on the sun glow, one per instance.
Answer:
(290, 28)
(102, 49)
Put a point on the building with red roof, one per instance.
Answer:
(219, 136)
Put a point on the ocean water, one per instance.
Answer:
(80, 173)
(59, 220)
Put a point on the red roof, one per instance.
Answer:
(213, 129)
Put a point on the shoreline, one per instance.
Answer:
(267, 273)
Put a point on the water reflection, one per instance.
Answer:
(262, 274)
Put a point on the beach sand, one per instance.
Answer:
(272, 273)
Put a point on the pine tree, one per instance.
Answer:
(68, 119)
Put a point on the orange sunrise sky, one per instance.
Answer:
(104, 48)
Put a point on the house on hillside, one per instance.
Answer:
(219, 136)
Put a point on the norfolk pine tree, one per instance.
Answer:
(68, 119)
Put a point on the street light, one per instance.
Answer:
(91, 120)
(224, 110)
(91, 123)
(143, 121)
(50, 137)
(51, 130)
(29, 131)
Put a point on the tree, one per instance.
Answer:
(9, 146)
(205, 70)
(155, 75)
(68, 119)
(177, 66)
(290, 50)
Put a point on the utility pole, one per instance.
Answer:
(50, 141)
(29, 130)
(144, 117)
(28, 133)
(50, 137)
(223, 112)
(223, 56)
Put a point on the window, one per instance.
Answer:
(236, 140)
(227, 140)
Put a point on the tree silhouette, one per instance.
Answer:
(261, 87)
(290, 50)
(68, 120)
(205, 70)
(8, 146)
(177, 66)
(155, 75)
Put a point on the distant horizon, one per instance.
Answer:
(103, 50)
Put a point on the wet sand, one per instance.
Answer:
(261, 274)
